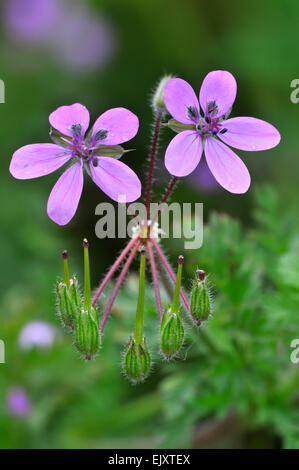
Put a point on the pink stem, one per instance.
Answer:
(165, 197)
(113, 269)
(152, 161)
(155, 279)
(118, 284)
(170, 271)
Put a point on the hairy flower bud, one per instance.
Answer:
(158, 95)
(171, 333)
(200, 305)
(68, 302)
(87, 336)
(136, 361)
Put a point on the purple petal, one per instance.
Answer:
(65, 196)
(227, 168)
(180, 97)
(67, 116)
(183, 153)
(219, 86)
(247, 133)
(32, 161)
(116, 179)
(115, 126)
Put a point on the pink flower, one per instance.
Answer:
(216, 97)
(18, 402)
(37, 334)
(116, 179)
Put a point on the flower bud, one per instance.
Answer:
(158, 96)
(171, 333)
(87, 336)
(200, 305)
(68, 302)
(136, 361)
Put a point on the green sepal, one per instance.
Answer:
(87, 336)
(114, 151)
(60, 139)
(180, 127)
(68, 302)
(200, 304)
(171, 333)
(136, 361)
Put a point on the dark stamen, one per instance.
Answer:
(101, 134)
(212, 108)
(85, 243)
(208, 119)
(95, 161)
(192, 113)
(64, 254)
(223, 131)
(76, 129)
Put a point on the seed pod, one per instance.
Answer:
(200, 305)
(68, 302)
(171, 333)
(87, 336)
(136, 361)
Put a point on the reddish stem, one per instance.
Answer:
(113, 269)
(152, 161)
(118, 284)
(165, 197)
(155, 279)
(170, 271)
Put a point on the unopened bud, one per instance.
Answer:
(68, 302)
(87, 336)
(136, 361)
(158, 96)
(200, 305)
(171, 333)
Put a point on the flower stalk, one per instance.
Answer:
(66, 273)
(87, 291)
(138, 330)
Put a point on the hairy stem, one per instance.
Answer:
(165, 197)
(113, 269)
(155, 279)
(118, 284)
(170, 271)
(152, 161)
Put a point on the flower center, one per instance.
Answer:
(210, 124)
(79, 148)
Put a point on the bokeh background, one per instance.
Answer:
(237, 386)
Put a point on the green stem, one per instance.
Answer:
(138, 331)
(176, 298)
(66, 272)
(87, 291)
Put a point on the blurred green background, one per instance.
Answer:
(237, 387)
